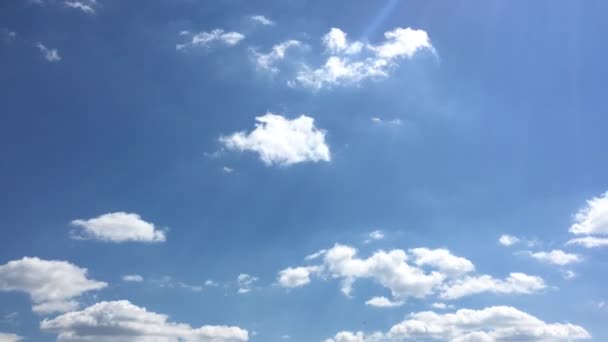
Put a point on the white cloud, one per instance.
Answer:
(245, 283)
(51, 55)
(87, 6)
(296, 276)
(267, 61)
(383, 302)
(392, 122)
(211, 283)
(132, 278)
(121, 321)
(227, 169)
(376, 235)
(4, 337)
(262, 20)
(349, 63)
(386, 268)
(589, 242)
(281, 141)
(593, 218)
(496, 324)
(515, 283)
(117, 227)
(51, 285)
(508, 240)
(442, 260)
(442, 306)
(315, 255)
(206, 38)
(568, 274)
(557, 257)
(169, 282)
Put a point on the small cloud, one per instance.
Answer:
(87, 6)
(568, 274)
(117, 227)
(169, 282)
(262, 20)
(132, 278)
(207, 38)
(245, 283)
(508, 240)
(51, 55)
(281, 141)
(315, 255)
(211, 283)
(227, 169)
(442, 306)
(556, 257)
(268, 61)
(7, 35)
(383, 302)
(589, 242)
(391, 122)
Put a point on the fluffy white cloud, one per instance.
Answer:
(121, 321)
(267, 61)
(442, 260)
(497, 323)
(508, 240)
(557, 257)
(383, 302)
(281, 141)
(206, 38)
(593, 218)
(296, 276)
(87, 6)
(51, 285)
(132, 278)
(589, 242)
(515, 283)
(117, 227)
(352, 62)
(51, 55)
(262, 20)
(4, 337)
(406, 274)
(245, 282)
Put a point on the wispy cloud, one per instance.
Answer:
(207, 38)
(51, 55)
(262, 20)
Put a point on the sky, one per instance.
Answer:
(344, 171)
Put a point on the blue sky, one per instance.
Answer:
(168, 166)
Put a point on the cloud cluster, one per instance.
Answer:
(51, 285)
(206, 38)
(350, 62)
(282, 141)
(497, 323)
(591, 220)
(419, 273)
(119, 321)
(117, 227)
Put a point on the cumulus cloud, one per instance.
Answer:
(207, 38)
(443, 260)
(51, 55)
(296, 276)
(589, 242)
(419, 273)
(281, 141)
(245, 282)
(132, 278)
(383, 302)
(117, 227)
(51, 285)
(119, 321)
(262, 20)
(515, 283)
(350, 62)
(593, 218)
(557, 257)
(508, 240)
(4, 337)
(497, 323)
(268, 61)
